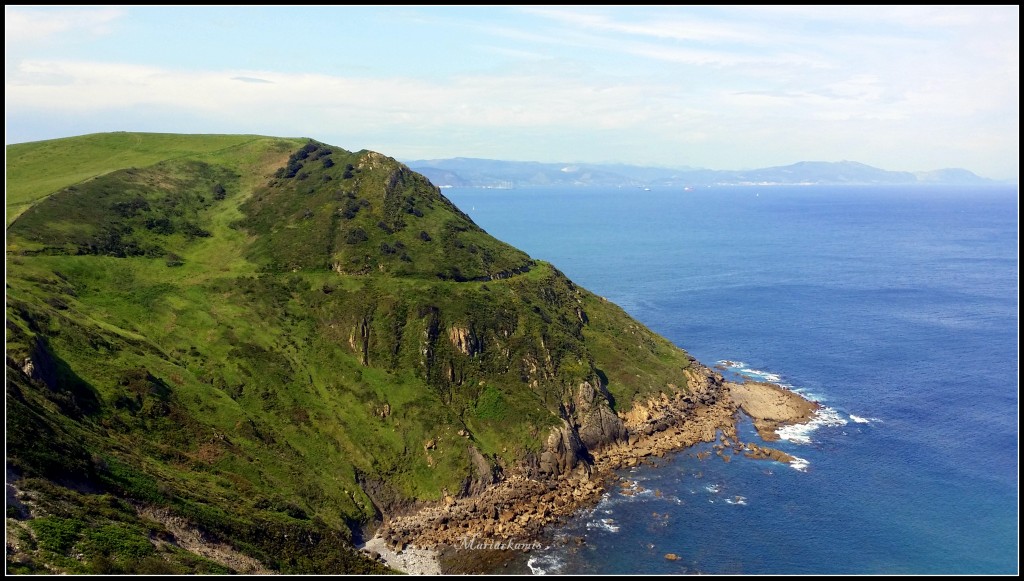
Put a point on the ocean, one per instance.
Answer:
(895, 307)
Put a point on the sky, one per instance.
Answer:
(721, 87)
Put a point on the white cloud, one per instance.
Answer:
(550, 115)
(490, 101)
(721, 58)
(907, 16)
(23, 26)
(715, 87)
(672, 25)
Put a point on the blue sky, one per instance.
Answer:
(901, 88)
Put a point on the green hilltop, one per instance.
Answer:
(274, 342)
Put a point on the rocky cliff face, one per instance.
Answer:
(573, 472)
(704, 388)
(590, 425)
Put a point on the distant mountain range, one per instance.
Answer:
(489, 173)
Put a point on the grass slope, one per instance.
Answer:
(32, 175)
(272, 339)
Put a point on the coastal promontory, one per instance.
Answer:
(237, 354)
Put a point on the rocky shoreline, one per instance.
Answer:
(473, 534)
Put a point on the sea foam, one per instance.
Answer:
(799, 464)
(604, 524)
(544, 564)
(801, 433)
(743, 369)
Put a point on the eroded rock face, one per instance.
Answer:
(359, 340)
(484, 473)
(703, 388)
(373, 160)
(465, 340)
(574, 466)
(29, 368)
(563, 451)
(39, 365)
(589, 425)
(598, 425)
(570, 474)
(601, 427)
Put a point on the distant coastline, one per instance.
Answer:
(497, 174)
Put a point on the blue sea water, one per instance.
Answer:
(896, 307)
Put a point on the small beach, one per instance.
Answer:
(410, 560)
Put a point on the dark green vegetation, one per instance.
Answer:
(270, 341)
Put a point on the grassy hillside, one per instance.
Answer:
(31, 174)
(272, 340)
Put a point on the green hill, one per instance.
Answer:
(31, 174)
(273, 342)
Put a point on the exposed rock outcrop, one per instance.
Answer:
(39, 365)
(770, 406)
(485, 473)
(563, 451)
(578, 459)
(589, 424)
(465, 340)
(598, 424)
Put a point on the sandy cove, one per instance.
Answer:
(473, 534)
